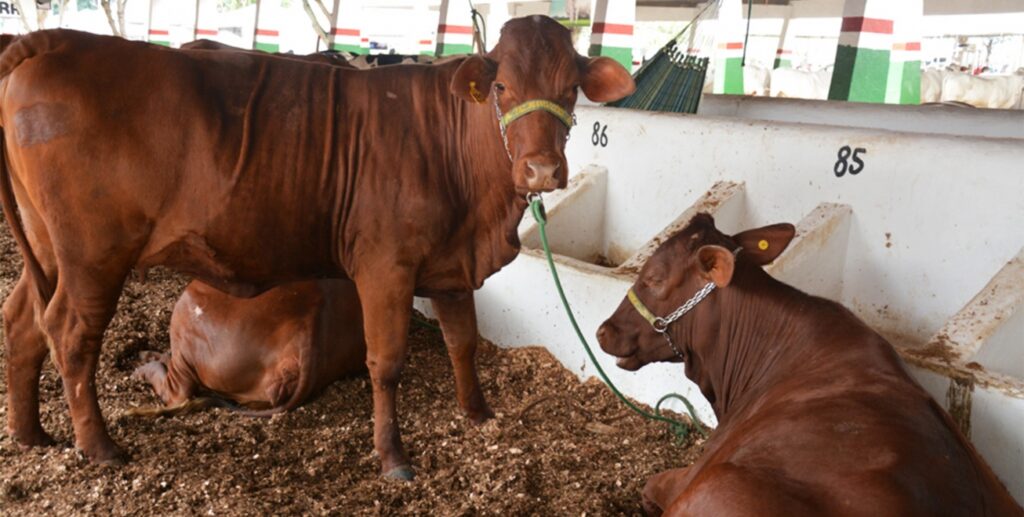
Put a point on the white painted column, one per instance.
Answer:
(612, 30)
(784, 53)
(496, 18)
(729, 48)
(207, 22)
(267, 36)
(904, 83)
(160, 22)
(454, 28)
(345, 27)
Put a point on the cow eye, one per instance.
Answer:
(499, 87)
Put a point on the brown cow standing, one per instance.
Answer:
(816, 414)
(276, 349)
(327, 58)
(248, 171)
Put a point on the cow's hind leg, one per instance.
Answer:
(26, 351)
(75, 320)
(386, 297)
(458, 322)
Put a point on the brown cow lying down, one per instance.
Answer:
(816, 414)
(248, 171)
(276, 349)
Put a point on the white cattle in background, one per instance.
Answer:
(993, 91)
(755, 80)
(790, 82)
(931, 84)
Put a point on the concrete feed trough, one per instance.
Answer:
(918, 233)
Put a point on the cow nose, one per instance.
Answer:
(605, 335)
(540, 176)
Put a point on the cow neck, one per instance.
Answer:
(481, 174)
(750, 347)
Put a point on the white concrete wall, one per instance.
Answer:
(906, 243)
(937, 119)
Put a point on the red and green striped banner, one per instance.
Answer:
(454, 39)
(268, 40)
(862, 59)
(904, 82)
(611, 34)
(454, 28)
(426, 47)
(160, 37)
(613, 40)
(347, 40)
(729, 72)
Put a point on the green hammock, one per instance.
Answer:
(672, 80)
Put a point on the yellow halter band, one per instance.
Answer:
(537, 105)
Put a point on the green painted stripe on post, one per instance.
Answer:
(160, 42)
(733, 84)
(894, 82)
(352, 49)
(910, 93)
(783, 63)
(268, 47)
(451, 49)
(624, 55)
(861, 75)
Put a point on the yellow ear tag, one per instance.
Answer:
(763, 245)
(474, 93)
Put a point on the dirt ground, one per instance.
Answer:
(557, 446)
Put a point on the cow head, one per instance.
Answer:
(532, 77)
(681, 267)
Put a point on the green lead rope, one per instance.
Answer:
(680, 429)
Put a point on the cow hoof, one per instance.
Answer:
(403, 473)
(112, 456)
(38, 438)
(479, 417)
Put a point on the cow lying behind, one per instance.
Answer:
(274, 350)
(816, 414)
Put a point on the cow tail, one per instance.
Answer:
(14, 52)
(43, 287)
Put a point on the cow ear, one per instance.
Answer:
(473, 78)
(716, 264)
(603, 79)
(763, 245)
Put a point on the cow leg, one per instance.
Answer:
(75, 324)
(26, 351)
(168, 383)
(386, 298)
(458, 322)
(662, 489)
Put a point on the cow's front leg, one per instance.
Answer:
(458, 322)
(662, 489)
(386, 298)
